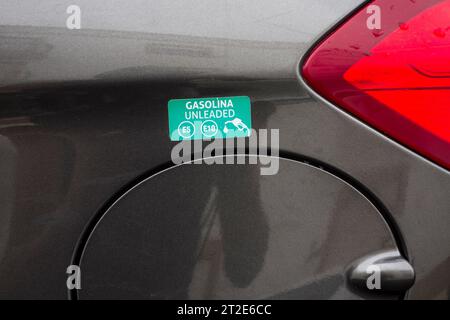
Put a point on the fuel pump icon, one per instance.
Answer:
(236, 123)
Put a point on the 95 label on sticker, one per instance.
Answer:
(209, 118)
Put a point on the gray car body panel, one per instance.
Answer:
(76, 121)
(226, 232)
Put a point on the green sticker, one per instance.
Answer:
(208, 118)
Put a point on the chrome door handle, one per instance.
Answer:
(385, 271)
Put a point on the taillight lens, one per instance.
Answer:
(395, 78)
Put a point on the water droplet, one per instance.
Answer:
(403, 26)
(377, 32)
(439, 33)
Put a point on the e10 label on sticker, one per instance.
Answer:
(208, 118)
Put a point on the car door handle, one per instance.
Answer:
(385, 271)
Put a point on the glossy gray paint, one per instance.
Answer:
(142, 40)
(203, 231)
(82, 116)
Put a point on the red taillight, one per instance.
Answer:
(396, 78)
